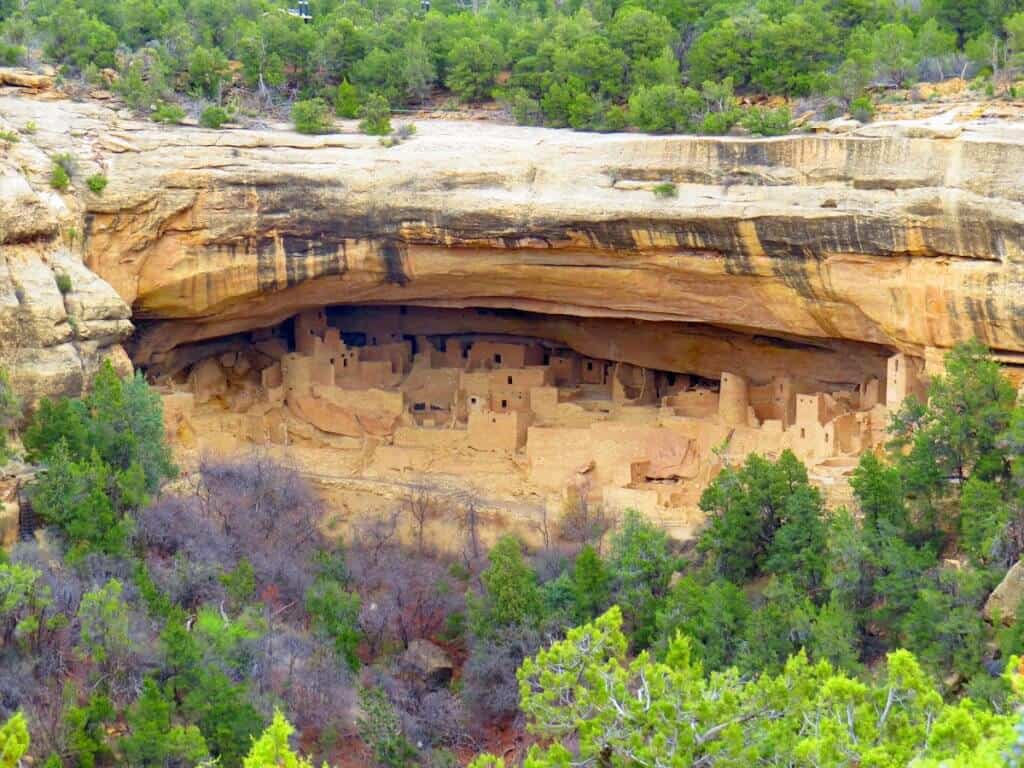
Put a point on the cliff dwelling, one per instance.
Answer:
(532, 412)
(527, 322)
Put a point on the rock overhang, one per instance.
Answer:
(906, 237)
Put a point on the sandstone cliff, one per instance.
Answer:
(51, 340)
(903, 235)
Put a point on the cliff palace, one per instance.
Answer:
(511, 312)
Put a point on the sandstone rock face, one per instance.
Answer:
(51, 340)
(907, 236)
(1005, 599)
(429, 663)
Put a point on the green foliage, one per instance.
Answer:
(222, 712)
(272, 748)
(664, 108)
(375, 116)
(957, 433)
(120, 419)
(944, 625)
(880, 491)
(570, 64)
(642, 564)
(214, 117)
(24, 600)
(55, 421)
(713, 615)
(334, 613)
(767, 122)
(14, 741)
(312, 116)
(591, 584)
(1012, 441)
(984, 515)
(153, 738)
(473, 66)
(96, 183)
(379, 727)
(104, 456)
(10, 414)
(11, 55)
(86, 728)
(9, 137)
(79, 37)
(103, 618)
(666, 189)
(511, 594)
(346, 100)
(74, 496)
(895, 51)
(63, 282)
(585, 700)
(862, 108)
(206, 696)
(834, 637)
(240, 584)
(764, 517)
(168, 113)
(207, 71)
(798, 548)
(59, 178)
(779, 627)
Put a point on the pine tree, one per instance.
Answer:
(511, 595)
(591, 584)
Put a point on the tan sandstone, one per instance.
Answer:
(908, 236)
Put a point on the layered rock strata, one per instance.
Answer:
(904, 236)
(58, 319)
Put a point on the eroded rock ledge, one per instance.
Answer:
(901, 236)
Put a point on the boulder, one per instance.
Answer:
(429, 663)
(25, 78)
(1005, 599)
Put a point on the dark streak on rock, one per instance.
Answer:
(266, 264)
(393, 253)
(88, 219)
(976, 313)
(308, 259)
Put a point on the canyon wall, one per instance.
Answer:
(906, 236)
(58, 319)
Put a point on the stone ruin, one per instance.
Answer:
(628, 436)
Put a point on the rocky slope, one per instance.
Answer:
(907, 236)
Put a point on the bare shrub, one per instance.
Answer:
(423, 504)
(316, 687)
(186, 550)
(549, 564)
(176, 524)
(405, 596)
(490, 689)
(251, 507)
(584, 523)
(466, 507)
(430, 718)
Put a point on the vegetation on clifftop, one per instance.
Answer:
(587, 64)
